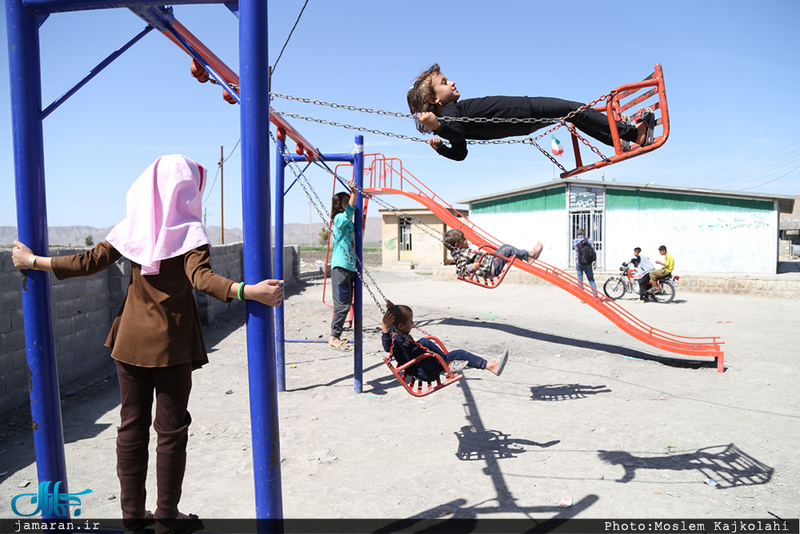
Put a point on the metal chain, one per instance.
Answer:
(390, 134)
(321, 211)
(560, 122)
(510, 120)
(428, 229)
(351, 127)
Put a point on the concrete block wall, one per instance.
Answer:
(83, 309)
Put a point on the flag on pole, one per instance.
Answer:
(556, 146)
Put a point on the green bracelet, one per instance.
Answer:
(241, 291)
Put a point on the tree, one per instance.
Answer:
(89, 241)
(323, 236)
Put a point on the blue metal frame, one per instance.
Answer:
(26, 97)
(357, 160)
(23, 20)
(254, 67)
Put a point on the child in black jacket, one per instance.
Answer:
(395, 335)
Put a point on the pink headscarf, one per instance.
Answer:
(164, 209)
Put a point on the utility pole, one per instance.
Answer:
(221, 198)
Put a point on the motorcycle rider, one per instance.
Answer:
(643, 267)
(668, 265)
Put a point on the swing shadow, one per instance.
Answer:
(562, 392)
(579, 343)
(728, 465)
(480, 445)
(477, 443)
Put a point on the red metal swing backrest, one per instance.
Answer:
(489, 283)
(649, 92)
(415, 386)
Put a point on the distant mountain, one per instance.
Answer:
(66, 236)
(294, 234)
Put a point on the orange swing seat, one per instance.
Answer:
(415, 386)
(489, 283)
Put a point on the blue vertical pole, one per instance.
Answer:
(254, 64)
(280, 332)
(26, 101)
(358, 292)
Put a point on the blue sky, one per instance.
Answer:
(730, 69)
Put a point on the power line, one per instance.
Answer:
(290, 36)
(210, 189)
(773, 180)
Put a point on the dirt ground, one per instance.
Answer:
(583, 411)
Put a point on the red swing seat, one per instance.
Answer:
(489, 283)
(640, 93)
(415, 386)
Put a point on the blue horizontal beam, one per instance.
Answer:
(59, 6)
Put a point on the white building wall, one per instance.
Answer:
(523, 230)
(700, 241)
(704, 233)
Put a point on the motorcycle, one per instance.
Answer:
(628, 282)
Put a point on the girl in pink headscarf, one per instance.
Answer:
(156, 338)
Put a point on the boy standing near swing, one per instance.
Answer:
(469, 261)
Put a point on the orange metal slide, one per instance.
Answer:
(387, 176)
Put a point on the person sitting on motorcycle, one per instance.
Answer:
(643, 267)
(636, 258)
(668, 265)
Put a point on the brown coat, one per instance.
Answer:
(158, 323)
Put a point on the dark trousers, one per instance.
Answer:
(342, 288)
(473, 361)
(590, 121)
(137, 385)
(644, 285)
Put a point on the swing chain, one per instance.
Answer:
(428, 229)
(319, 207)
(546, 153)
(479, 120)
(399, 114)
(436, 234)
(351, 127)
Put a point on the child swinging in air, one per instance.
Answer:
(434, 97)
(469, 260)
(395, 335)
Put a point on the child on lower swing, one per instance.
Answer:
(396, 338)
(470, 260)
(434, 97)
